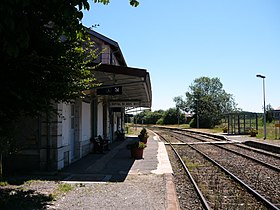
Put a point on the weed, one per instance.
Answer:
(62, 188)
(3, 184)
(190, 165)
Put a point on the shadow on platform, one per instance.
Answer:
(111, 166)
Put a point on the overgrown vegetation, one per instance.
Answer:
(63, 188)
(2, 184)
(190, 165)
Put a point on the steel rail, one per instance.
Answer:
(266, 202)
(273, 167)
(200, 195)
(251, 158)
(206, 135)
(261, 198)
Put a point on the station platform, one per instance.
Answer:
(148, 180)
(244, 138)
(266, 144)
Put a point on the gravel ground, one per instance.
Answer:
(260, 178)
(187, 196)
(140, 192)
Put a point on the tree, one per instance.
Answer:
(44, 52)
(42, 57)
(269, 113)
(170, 117)
(153, 117)
(148, 117)
(180, 103)
(207, 100)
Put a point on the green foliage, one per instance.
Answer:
(207, 99)
(160, 121)
(171, 116)
(269, 113)
(144, 132)
(42, 59)
(44, 52)
(3, 184)
(193, 123)
(64, 188)
(190, 165)
(180, 103)
(143, 136)
(136, 144)
(133, 3)
(148, 117)
(160, 117)
(253, 131)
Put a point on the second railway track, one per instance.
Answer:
(259, 188)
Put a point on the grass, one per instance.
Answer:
(64, 188)
(190, 165)
(270, 131)
(179, 126)
(3, 184)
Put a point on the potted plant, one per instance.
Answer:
(143, 136)
(253, 132)
(137, 149)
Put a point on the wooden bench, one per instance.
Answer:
(99, 144)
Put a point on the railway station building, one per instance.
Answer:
(52, 142)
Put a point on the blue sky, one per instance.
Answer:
(179, 41)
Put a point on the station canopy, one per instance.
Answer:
(133, 84)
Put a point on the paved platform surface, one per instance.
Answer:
(243, 138)
(117, 165)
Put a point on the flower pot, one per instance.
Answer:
(137, 153)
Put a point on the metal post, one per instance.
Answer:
(264, 108)
(197, 116)
(264, 111)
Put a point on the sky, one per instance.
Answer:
(179, 41)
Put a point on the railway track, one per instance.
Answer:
(267, 159)
(216, 179)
